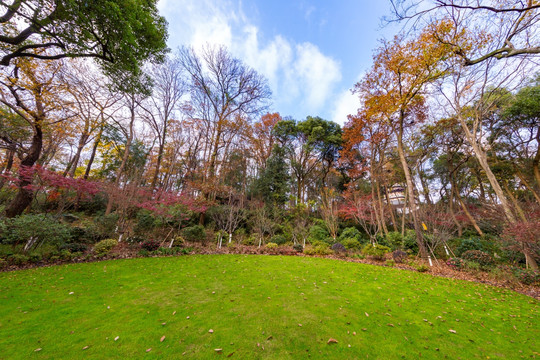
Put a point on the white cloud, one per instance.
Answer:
(346, 104)
(301, 77)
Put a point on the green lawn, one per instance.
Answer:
(268, 307)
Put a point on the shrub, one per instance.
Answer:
(194, 233)
(65, 255)
(103, 247)
(395, 240)
(150, 245)
(298, 248)
(271, 245)
(456, 263)
(106, 225)
(481, 258)
(351, 244)
(399, 256)
(35, 257)
(469, 244)
(41, 228)
(145, 221)
(422, 268)
(527, 276)
(18, 259)
(318, 233)
(75, 247)
(338, 248)
(278, 239)
(250, 241)
(350, 233)
(318, 250)
(376, 251)
(390, 263)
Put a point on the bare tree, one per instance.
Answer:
(160, 108)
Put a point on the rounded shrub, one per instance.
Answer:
(481, 258)
(376, 251)
(351, 244)
(350, 233)
(319, 249)
(150, 245)
(18, 259)
(103, 247)
(271, 245)
(194, 233)
(318, 233)
(278, 239)
(456, 263)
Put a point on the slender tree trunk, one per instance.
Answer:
(381, 209)
(410, 189)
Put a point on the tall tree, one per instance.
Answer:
(120, 34)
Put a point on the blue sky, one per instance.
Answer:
(311, 52)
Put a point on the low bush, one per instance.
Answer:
(318, 233)
(271, 245)
(103, 247)
(250, 241)
(456, 263)
(319, 249)
(390, 263)
(18, 259)
(527, 276)
(298, 248)
(350, 233)
(35, 258)
(376, 251)
(150, 245)
(422, 268)
(75, 247)
(34, 230)
(483, 259)
(194, 233)
(278, 239)
(351, 244)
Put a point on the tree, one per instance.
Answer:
(32, 91)
(168, 89)
(223, 93)
(273, 183)
(484, 29)
(394, 92)
(120, 34)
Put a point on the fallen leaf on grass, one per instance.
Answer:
(231, 354)
(148, 350)
(86, 347)
(211, 331)
(174, 313)
(300, 325)
(218, 350)
(367, 314)
(38, 349)
(453, 331)
(162, 338)
(116, 338)
(332, 341)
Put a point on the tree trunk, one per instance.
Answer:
(468, 214)
(410, 190)
(25, 195)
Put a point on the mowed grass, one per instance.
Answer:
(259, 307)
